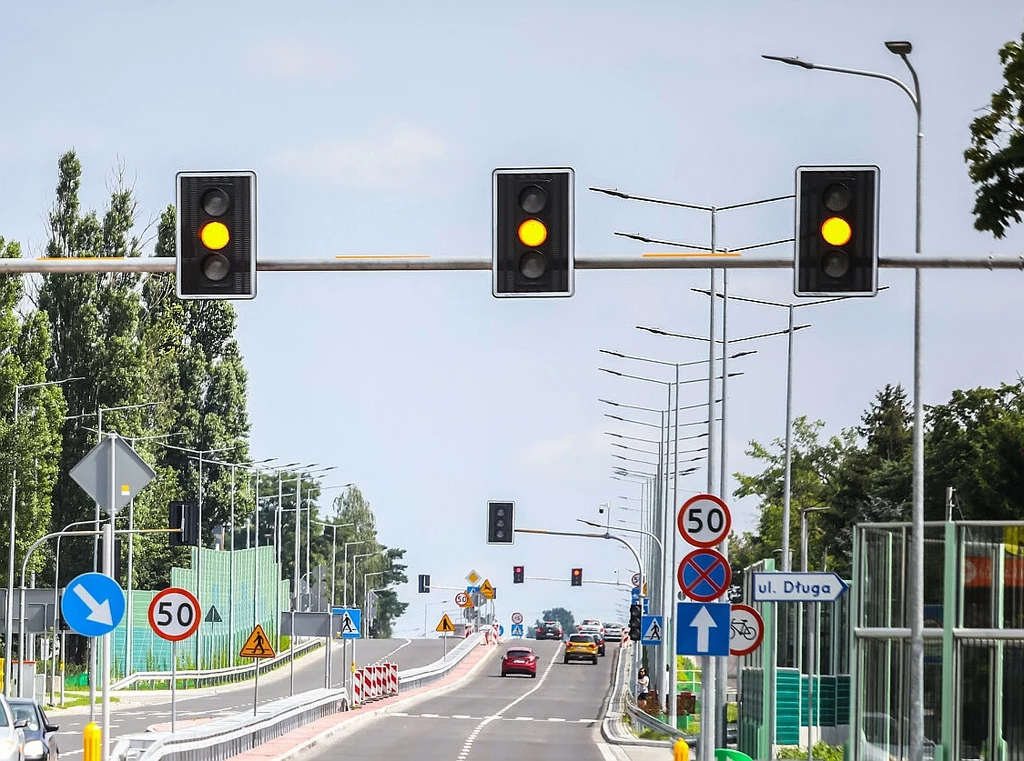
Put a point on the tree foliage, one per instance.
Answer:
(561, 615)
(996, 156)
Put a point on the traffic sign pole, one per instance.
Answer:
(108, 569)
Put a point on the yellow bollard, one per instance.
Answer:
(680, 751)
(91, 741)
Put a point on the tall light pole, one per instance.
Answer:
(808, 636)
(9, 607)
(344, 565)
(915, 596)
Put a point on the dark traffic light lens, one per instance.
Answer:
(216, 267)
(533, 265)
(215, 202)
(532, 199)
(835, 264)
(837, 197)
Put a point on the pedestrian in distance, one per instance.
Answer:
(642, 684)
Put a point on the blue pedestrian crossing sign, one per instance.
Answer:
(703, 628)
(517, 630)
(93, 604)
(347, 622)
(652, 630)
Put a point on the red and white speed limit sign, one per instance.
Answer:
(174, 614)
(704, 520)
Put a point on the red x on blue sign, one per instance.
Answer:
(704, 575)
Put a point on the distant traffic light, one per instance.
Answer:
(532, 248)
(836, 231)
(183, 516)
(499, 523)
(424, 583)
(216, 235)
(577, 577)
(518, 573)
(635, 617)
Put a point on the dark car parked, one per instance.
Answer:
(40, 734)
(550, 630)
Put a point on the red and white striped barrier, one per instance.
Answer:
(357, 687)
(393, 681)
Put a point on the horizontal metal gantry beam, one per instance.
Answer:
(400, 263)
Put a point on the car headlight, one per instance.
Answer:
(35, 749)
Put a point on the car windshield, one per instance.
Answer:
(26, 712)
(518, 654)
(585, 638)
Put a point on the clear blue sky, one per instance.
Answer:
(374, 129)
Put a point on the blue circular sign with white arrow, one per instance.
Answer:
(92, 604)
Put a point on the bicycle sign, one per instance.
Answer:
(174, 614)
(746, 630)
(704, 520)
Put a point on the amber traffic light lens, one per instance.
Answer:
(214, 235)
(532, 199)
(837, 197)
(532, 233)
(836, 231)
(215, 202)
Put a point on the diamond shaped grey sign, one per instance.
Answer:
(131, 473)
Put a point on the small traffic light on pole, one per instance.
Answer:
(635, 618)
(183, 516)
(836, 231)
(577, 577)
(532, 248)
(499, 523)
(216, 235)
(518, 573)
(424, 583)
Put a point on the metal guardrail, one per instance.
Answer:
(223, 738)
(210, 677)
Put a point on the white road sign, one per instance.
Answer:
(704, 520)
(796, 586)
(636, 579)
(174, 614)
(517, 618)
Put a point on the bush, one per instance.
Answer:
(822, 752)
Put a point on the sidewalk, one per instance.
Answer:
(318, 731)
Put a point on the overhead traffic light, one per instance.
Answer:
(577, 577)
(518, 573)
(499, 523)
(183, 516)
(216, 235)
(836, 231)
(532, 249)
(424, 583)
(635, 618)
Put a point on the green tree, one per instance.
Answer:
(562, 616)
(996, 157)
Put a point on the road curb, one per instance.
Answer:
(351, 725)
(613, 730)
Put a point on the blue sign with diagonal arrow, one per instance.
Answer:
(93, 604)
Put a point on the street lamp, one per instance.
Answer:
(9, 607)
(915, 596)
(334, 551)
(344, 563)
(808, 629)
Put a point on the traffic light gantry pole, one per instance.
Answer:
(605, 535)
(402, 263)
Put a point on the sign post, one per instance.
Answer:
(257, 646)
(174, 614)
(446, 627)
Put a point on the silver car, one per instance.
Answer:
(12, 738)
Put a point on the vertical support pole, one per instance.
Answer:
(722, 669)
(199, 570)
(108, 569)
(174, 684)
(950, 620)
(788, 468)
(129, 613)
(670, 639)
(231, 575)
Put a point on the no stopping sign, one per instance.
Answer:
(174, 614)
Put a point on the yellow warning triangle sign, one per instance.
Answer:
(487, 590)
(258, 645)
(445, 625)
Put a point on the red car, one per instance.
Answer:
(519, 660)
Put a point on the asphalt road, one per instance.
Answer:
(136, 711)
(492, 718)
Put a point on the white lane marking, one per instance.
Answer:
(430, 716)
(399, 713)
(69, 752)
(461, 716)
(468, 746)
(523, 718)
(556, 719)
(385, 657)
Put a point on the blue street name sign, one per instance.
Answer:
(93, 604)
(703, 628)
(347, 622)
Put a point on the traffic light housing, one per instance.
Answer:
(518, 574)
(836, 231)
(577, 577)
(532, 251)
(499, 523)
(635, 616)
(183, 516)
(424, 583)
(216, 235)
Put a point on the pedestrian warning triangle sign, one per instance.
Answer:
(487, 590)
(257, 646)
(213, 616)
(445, 625)
(348, 625)
(653, 631)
